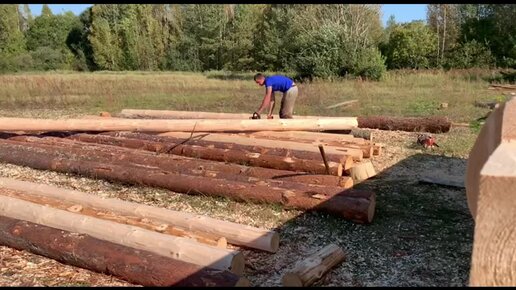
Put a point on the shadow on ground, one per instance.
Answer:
(421, 234)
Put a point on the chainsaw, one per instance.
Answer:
(255, 116)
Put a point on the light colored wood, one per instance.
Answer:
(491, 193)
(235, 233)
(105, 214)
(357, 154)
(309, 136)
(362, 171)
(206, 125)
(176, 247)
(170, 114)
(313, 268)
(346, 103)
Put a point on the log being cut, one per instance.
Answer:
(237, 234)
(491, 194)
(354, 205)
(206, 125)
(135, 266)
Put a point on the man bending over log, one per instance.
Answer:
(277, 83)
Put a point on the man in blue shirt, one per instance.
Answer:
(277, 83)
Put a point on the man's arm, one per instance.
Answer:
(266, 100)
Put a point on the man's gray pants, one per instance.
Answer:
(287, 103)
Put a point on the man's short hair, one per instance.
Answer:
(258, 76)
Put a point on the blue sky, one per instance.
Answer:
(401, 12)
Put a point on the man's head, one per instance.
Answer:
(259, 79)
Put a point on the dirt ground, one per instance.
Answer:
(421, 234)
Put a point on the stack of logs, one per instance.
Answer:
(303, 170)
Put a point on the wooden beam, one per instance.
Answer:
(206, 125)
(135, 266)
(491, 194)
(175, 247)
(237, 234)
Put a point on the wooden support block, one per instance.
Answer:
(311, 269)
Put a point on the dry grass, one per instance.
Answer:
(400, 94)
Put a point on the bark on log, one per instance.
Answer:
(428, 124)
(206, 125)
(356, 154)
(311, 269)
(107, 154)
(491, 192)
(135, 266)
(127, 219)
(175, 247)
(237, 234)
(195, 166)
(346, 161)
(308, 136)
(223, 155)
(357, 206)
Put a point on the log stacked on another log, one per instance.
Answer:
(135, 266)
(357, 206)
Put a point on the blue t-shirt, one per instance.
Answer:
(278, 83)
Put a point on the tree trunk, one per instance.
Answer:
(346, 161)
(428, 124)
(174, 247)
(135, 266)
(206, 125)
(237, 234)
(223, 155)
(167, 114)
(357, 206)
(127, 219)
(357, 155)
(109, 154)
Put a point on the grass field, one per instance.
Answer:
(421, 235)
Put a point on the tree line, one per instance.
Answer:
(324, 41)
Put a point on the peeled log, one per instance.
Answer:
(105, 154)
(206, 125)
(195, 166)
(135, 266)
(346, 161)
(236, 234)
(168, 114)
(357, 206)
(427, 124)
(128, 219)
(311, 269)
(223, 155)
(174, 247)
(356, 154)
(491, 194)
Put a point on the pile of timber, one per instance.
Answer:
(140, 244)
(297, 169)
